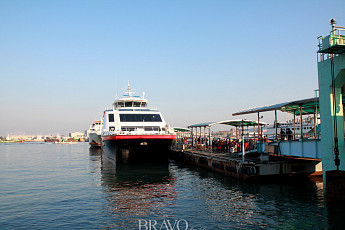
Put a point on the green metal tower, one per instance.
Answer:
(331, 74)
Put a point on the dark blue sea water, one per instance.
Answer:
(69, 186)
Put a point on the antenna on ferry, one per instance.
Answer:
(129, 92)
(143, 95)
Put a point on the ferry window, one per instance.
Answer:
(128, 104)
(111, 117)
(152, 128)
(143, 104)
(128, 128)
(120, 104)
(136, 104)
(140, 118)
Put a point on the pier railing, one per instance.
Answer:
(306, 148)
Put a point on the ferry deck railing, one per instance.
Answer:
(335, 39)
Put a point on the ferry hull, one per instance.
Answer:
(137, 149)
(95, 140)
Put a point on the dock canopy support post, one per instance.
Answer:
(258, 126)
(247, 132)
(294, 124)
(275, 124)
(254, 132)
(301, 123)
(243, 150)
(205, 143)
(209, 138)
(200, 137)
(314, 123)
(192, 138)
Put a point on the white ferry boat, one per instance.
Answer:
(95, 131)
(132, 132)
(289, 126)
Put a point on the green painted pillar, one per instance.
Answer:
(327, 113)
(331, 69)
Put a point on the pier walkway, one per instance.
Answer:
(255, 166)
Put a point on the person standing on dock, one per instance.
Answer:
(282, 134)
(289, 134)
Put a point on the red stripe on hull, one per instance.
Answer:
(138, 137)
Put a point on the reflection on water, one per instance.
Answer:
(48, 186)
(206, 199)
(95, 151)
(210, 200)
(294, 204)
(135, 191)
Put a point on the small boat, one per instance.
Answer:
(132, 132)
(65, 142)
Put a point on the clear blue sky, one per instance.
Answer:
(62, 62)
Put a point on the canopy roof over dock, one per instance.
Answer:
(235, 123)
(180, 129)
(307, 106)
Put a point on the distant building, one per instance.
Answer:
(77, 135)
(225, 134)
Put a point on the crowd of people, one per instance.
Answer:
(219, 145)
(231, 146)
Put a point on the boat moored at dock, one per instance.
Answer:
(132, 132)
(290, 127)
(95, 139)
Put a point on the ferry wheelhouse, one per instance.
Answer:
(132, 132)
